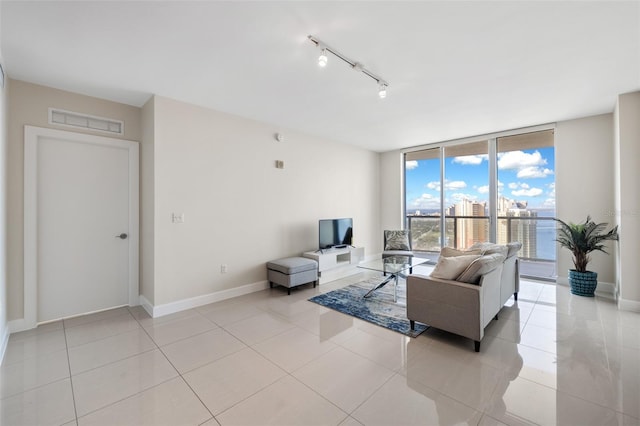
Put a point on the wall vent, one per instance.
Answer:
(85, 121)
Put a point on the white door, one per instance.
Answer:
(83, 222)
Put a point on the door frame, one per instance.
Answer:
(32, 137)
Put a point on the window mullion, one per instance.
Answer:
(493, 190)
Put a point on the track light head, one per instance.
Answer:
(322, 59)
(382, 90)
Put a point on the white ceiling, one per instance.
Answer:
(454, 69)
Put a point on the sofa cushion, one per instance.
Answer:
(452, 252)
(449, 268)
(513, 248)
(479, 267)
(397, 240)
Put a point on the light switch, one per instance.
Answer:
(177, 217)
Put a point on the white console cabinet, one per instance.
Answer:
(337, 262)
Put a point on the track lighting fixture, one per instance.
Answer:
(357, 66)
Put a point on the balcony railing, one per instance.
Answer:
(537, 234)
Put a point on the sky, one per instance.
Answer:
(527, 175)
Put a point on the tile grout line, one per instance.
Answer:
(248, 396)
(143, 390)
(73, 393)
(395, 373)
(177, 371)
(288, 374)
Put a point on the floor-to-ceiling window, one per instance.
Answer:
(423, 199)
(527, 199)
(466, 189)
(494, 189)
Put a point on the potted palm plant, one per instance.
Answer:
(581, 239)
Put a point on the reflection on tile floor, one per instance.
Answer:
(269, 358)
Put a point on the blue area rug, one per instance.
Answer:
(379, 308)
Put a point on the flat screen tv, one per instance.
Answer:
(335, 233)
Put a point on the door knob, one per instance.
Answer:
(122, 236)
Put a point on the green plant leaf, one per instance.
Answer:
(583, 238)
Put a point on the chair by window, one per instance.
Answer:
(397, 243)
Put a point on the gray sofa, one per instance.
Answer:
(465, 302)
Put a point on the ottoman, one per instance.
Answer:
(292, 271)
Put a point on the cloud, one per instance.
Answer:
(549, 202)
(472, 160)
(516, 160)
(455, 184)
(448, 185)
(459, 196)
(483, 189)
(426, 201)
(533, 172)
(411, 164)
(532, 192)
(433, 185)
(521, 185)
(527, 165)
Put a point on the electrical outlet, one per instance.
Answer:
(177, 217)
(279, 164)
(223, 268)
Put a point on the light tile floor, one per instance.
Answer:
(269, 358)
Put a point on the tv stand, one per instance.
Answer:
(335, 263)
(328, 249)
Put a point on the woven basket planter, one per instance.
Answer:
(583, 283)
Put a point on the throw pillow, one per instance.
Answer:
(397, 240)
(479, 267)
(452, 252)
(513, 248)
(449, 268)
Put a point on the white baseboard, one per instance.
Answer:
(205, 299)
(18, 325)
(146, 305)
(607, 290)
(604, 289)
(4, 341)
(628, 305)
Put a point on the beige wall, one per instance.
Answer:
(28, 104)
(240, 210)
(627, 142)
(585, 184)
(391, 184)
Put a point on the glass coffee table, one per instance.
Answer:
(393, 267)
